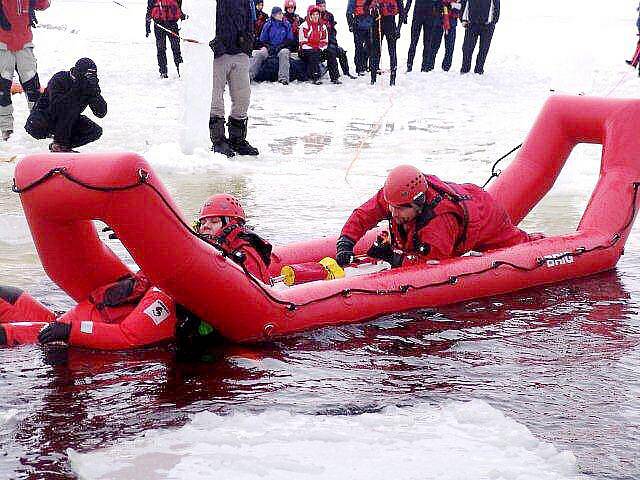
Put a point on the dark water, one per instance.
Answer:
(563, 360)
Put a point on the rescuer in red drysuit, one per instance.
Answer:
(222, 223)
(126, 314)
(430, 219)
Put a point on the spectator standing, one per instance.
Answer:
(360, 23)
(333, 52)
(232, 46)
(16, 54)
(479, 18)
(426, 20)
(165, 15)
(384, 26)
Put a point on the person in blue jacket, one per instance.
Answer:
(479, 18)
(277, 40)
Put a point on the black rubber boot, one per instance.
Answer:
(238, 137)
(220, 142)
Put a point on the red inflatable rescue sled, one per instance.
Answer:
(63, 193)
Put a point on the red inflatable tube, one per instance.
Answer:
(62, 193)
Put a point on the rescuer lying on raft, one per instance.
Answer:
(429, 219)
(126, 314)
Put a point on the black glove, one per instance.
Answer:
(3, 336)
(344, 251)
(147, 27)
(184, 16)
(92, 84)
(4, 22)
(55, 332)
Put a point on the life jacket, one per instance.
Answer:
(261, 19)
(386, 7)
(166, 11)
(240, 243)
(362, 8)
(313, 36)
(448, 200)
(295, 20)
(124, 293)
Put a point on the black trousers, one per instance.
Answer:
(384, 28)
(431, 28)
(161, 44)
(330, 55)
(312, 58)
(73, 134)
(362, 43)
(471, 35)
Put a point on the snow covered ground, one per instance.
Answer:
(309, 138)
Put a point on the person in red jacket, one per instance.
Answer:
(165, 15)
(16, 54)
(221, 223)
(128, 313)
(313, 38)
(429, 219)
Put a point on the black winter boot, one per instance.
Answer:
(220, 142)
(238, 137)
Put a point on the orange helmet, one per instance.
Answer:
(404, 185)
(222, 205)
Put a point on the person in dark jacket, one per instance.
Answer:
(384, 13)
(450, 15)
(165, 15)
(427, 18)
(360, 23)
(232, 47)
(334, 53)
(58, 112)
(261, 19)
(276, 40)
(479, 18)
(294, 20)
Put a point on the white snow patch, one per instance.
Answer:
(459, 440)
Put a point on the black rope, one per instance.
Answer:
(540, 262)
(496, 173)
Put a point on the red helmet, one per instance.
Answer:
(222, 205)
(404, 185)
(312, 9)
(289, 3)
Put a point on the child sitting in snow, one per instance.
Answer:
(313, 38)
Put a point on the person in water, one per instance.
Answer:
(428, 219)
(222, 223)
(128, 313)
